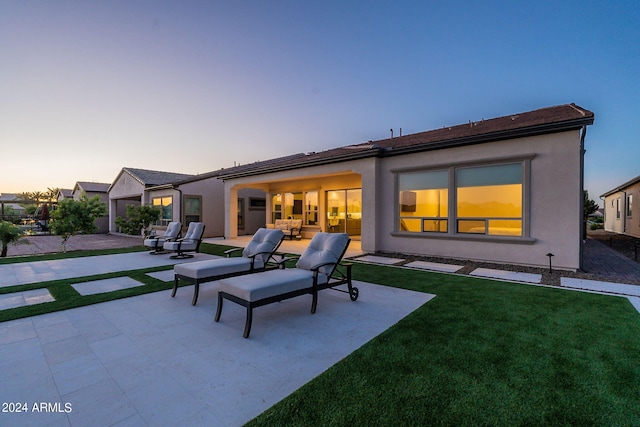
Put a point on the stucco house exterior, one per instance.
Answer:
(92, 189)
(64, 193)
(506, 190)
(9, 204)
(622, 208)
(184, 198)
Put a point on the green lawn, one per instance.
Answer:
(481, 353)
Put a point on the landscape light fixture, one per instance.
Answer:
(550, 255)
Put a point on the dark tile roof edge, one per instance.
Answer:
(542, 121)
(622, 186)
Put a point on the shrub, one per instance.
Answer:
(137, 218)
(9, 233)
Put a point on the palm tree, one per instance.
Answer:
(52, 194)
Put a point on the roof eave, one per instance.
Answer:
(495, 136)
(302, 164)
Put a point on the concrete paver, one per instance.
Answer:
(435, 266)
(157, 360)
(515, 276)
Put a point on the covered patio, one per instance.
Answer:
(288, 246)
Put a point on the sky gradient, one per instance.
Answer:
(89, 87)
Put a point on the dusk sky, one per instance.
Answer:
(89, 87)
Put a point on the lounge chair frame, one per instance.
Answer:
(335, 278)
(270, 264)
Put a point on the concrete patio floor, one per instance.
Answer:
(287, 246)
(157, 360)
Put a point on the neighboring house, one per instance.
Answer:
(480, 191)
(64, 193)
(622, 208)
(185, 198)
(9, 205)
(92, 189)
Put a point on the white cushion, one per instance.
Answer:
(254, 287)
(214, 267)
(189, 245)
(263, 240)
(195, 231)
(172, 231)
(323, 248)
(158, 242)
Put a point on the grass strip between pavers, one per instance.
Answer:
(67, 297)
(482, 352)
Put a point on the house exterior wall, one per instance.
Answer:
(551, 210)
(551, 203)
(618, 201)
(551, 188)
(254, 218)
(124, 191)
(210, 191)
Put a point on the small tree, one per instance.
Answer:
(76, 216)
(9, 233)
(590, 206)
(138, 218)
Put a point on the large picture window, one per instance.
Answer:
(489, 200)
(166, 207)
(476, 200)
(424, 201)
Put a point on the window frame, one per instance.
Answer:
(452, 233)
(186, 214)
(163, 221)
(298, 209)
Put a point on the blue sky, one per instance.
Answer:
(88, 87)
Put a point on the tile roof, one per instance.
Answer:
(545, 120)
(151, 178)
(93, 187)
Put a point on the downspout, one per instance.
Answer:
(583, 223)
(624, 212)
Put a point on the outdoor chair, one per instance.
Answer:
(256, 257)
(189, 243)
(316, 269)
(157, 242)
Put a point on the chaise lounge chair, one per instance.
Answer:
(256, 257)
(315, 270)
(189, 243)
(157, 242)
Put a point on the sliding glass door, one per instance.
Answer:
(344, 211)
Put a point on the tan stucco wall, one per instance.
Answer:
(554, 208)
(552, 205)
(211, 191)
(624, 224)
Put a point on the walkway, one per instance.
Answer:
(604, 262)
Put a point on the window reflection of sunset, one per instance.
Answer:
(501, 201)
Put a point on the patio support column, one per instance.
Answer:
(369, 176)
(231, 211)
(113, 203)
